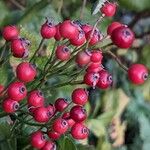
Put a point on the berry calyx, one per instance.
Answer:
(80, 96)
(35, 98)
(67, 117)
(79, 131)
(38, 139)
(138, 74)
(61, 104)
(60, 125)
(78, 113)
(123, 37)
(10, 106)
(108, 9)
(26, 72)
(17, 91)
(48, 30)
(105, 79)
(91, 78)
(63, 53)
(10, 32)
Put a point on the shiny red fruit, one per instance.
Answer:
(108, 9)
(17, 91)
(80, 96)
(38, 139)
(86, 28)
(26, 72)
(79, 131)
(78, 113)
(61, 104)
(10, 32)
(51, 110)
(96, 56)
(94, 67)
(41, 114)
(67, 117)
(105, 79)
(79, 40)
(53, 135)
(48, 30)
(83, 58)
(35, 98)
(123, 37)
(138, 73)
(57, 35)
(60, 125)
(63, 53)
(95, 37)
(10, 105)
(19, 47)
(112, 27)
(49, 145)
(68, 29)
(91, 78)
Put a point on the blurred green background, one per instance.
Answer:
(124, 108)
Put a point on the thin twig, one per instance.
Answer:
(82, 9)
(17, 4)
(117, 60)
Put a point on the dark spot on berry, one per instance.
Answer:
(16, 106)
(109, 78)
(66, 49)
(22, 89)
(84, 130)
(84, 110)
(64, 123)
(43, 137)
(145, 76)
(40, 93)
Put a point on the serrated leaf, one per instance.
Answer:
(97, 5)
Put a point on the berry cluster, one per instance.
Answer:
(65, 117)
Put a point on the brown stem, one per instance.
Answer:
(82, 8)
(117, 60)
(17, 4)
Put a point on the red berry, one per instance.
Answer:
(62, 53)
(96, 56)
(41, 114)
(48, 30)
(10, 105)
(68, 29)
(86, 28)
(53, 135)
(57, 35)
(61, 104)
(91, 78)
(19, 47)
(83, 58)
(105, 79)
(67, 117)
(79, 131)
(79, 40)
(38, 139)
(80, 96)
(60, 125)
(26, 72)
(35, 98)
(51, 110)
(10, 32)
(49, 146)
(123, 37)
(94, 67)
(1, 89)
(95, 37)
(78, 113)
(108, 9)
(137, 73)
(112, 27)
(17, 91)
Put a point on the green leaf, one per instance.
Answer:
(97, 5)
(136, 5)
(85, 147)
